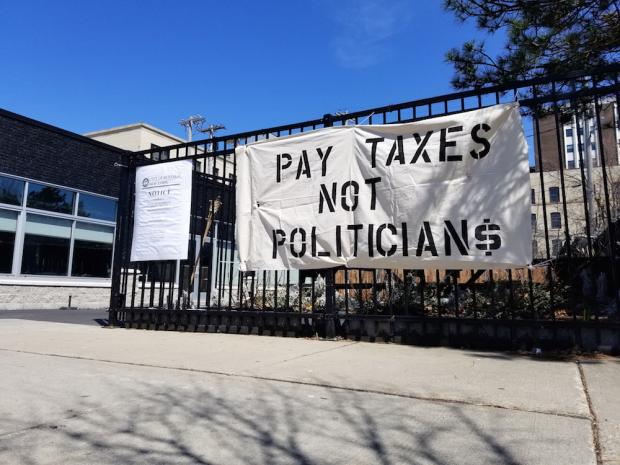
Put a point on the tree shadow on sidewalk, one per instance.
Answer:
(198, 419)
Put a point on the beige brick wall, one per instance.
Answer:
(574, 204)
(16, 297)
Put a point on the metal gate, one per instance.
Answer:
(570, 296)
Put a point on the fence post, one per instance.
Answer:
(330, 289)
(121, 233)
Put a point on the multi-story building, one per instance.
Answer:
(575, 145)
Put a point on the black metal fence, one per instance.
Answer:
(569, 297)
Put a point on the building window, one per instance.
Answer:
(570, 164)
(533, 220)
(569, 132)
(92, 250)
(46, 246)
(8, 226)
(556, 220)
(11, 191)
(99, 208)
(533, 196)
(556, 245)
(50, 198)
(159, 155)
(569, 148)
(554, 194)
(70, 242)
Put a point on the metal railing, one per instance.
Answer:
(571, 123)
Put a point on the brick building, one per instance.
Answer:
(58, 200)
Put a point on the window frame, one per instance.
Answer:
(551, 197)
(88, 218)
(556, 247)
(14, 233)
(27, 194)
(22, 212)
(159, 155)
(24, 191)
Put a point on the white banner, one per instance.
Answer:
(162, 211)
(449, 193)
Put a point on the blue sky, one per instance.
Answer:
(85, 65)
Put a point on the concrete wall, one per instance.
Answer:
(135, 137)
(128, 140)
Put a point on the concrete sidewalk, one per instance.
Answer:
(82, 394)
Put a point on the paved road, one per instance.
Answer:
(76, 394)
(78, 316)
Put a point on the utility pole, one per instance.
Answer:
(191, 122)
(211, 129)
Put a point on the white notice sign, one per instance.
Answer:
(447, 192)
(162, 211)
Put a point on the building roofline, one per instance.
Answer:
(57, 130)
(128, 127)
